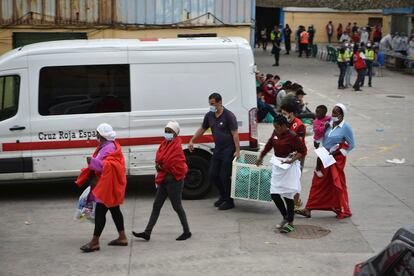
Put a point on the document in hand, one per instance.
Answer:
(278, 163)
(326, 158)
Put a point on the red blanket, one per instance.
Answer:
(330, 192)
(111, 184)
(170, 156)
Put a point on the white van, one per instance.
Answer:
(53, 95)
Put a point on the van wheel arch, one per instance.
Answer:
(197, 184)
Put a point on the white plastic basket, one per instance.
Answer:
(248, 181)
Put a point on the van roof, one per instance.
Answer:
(67, 46)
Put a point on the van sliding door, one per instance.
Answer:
(15, 155)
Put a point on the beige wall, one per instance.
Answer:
(319, 20)
(241, 31)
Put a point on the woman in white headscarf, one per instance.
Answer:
(106, 173)
(329, 192)
(171, 166)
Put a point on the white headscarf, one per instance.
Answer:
(106, 131)
(342, 107)
(174, 126)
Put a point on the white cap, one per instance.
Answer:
(106, 131)
(174, 126)
(342, 107)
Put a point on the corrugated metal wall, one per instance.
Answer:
(139, 12)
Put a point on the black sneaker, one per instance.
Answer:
(226, 206)
(184, 236)
(142, 235)
(219, 202)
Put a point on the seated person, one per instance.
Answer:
(281, 94)
(269, 90)
(263, 108)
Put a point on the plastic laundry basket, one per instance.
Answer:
(250, 182)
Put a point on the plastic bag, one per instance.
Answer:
(86, 206)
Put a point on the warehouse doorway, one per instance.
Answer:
(267, 18)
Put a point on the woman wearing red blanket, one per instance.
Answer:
(171, 167)
(106, 167)
(329, 192)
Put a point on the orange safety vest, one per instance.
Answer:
(304, 37)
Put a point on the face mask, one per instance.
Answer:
(335, 119)
(213, 109)
(288, 118)
(169, 136)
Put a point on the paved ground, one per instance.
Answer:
(241, 241)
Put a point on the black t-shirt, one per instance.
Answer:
(221, 129)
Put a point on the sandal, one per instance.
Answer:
(87, 248)
(117, 243)
(303, 212)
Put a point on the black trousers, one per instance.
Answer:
(277, 56)
(220, 173)
(100, 218)
(342, 71)
(288, 210)
(360, 79)
(369, 72)
(173, 189)
(303, 47)
(287, 45)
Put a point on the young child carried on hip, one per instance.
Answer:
(320, 124)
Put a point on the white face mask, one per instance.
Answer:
(213, 109)
(287, 118)
(169, 136)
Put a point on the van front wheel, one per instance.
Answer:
(196, 183)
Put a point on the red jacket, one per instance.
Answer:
(300, 129)
(269, 93)
(111, 184)
(170, 156)
(359, 62)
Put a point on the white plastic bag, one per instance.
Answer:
(85, 209)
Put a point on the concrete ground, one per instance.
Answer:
(39, 237)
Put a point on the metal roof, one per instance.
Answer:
(126, 12)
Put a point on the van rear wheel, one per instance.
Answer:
(196, 183)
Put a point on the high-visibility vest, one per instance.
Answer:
(273, 35)
(348, 55)
(304, 37)
(369, 54)
(341, 57)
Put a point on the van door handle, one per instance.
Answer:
(17, 128)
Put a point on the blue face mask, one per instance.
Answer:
(213, 109)
(169, 136)
(335, 119)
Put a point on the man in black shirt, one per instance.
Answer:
(223, 125)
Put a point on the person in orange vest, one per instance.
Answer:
(360, 66)
(303, 42)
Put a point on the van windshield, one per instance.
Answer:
(9, 96)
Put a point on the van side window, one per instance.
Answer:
(9, 96)
(84, 89)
